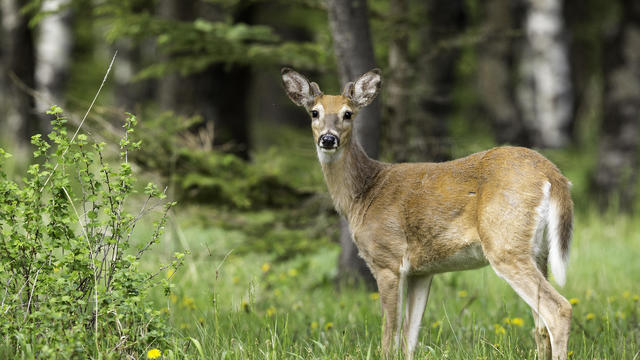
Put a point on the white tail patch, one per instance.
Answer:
(557, 259)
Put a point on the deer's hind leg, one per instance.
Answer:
(417, 295)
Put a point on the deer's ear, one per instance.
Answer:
(299, 89)
(364, 90)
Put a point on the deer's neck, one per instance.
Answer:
(350, 175)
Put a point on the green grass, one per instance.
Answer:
(246, 306)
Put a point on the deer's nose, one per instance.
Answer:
(328, 141)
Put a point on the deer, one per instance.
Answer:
(507, 207)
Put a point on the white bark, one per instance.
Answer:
(544, 91)
(53, 54)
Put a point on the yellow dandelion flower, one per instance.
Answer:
(570, 353)
(271, 311)
(499, 329)
(374, 296)
(574, 301)
(462, 294)
(292, 272)
(621, 315)
(265, 267)
(342, 304)
(517, 322)
(153, 354)
(56, 269)
(188, 303)
(436, 324)
(236, 279)
(201, 320)
(328, 326)
(635, 298)
(183, 326)
(506, 321)
(314, 325)
(626, 294)
(590, 316)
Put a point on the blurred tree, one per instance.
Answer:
(436, 75)
(616, 173)
(353, 47)
(544, 90)
(53, 54)
(495, 76)
(19, 67)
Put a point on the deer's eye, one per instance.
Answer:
(347, 115)
(314, 113)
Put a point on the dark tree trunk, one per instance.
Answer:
(616, 176)
(436, 76)
(349, 22)
(219, 94)
(19, 58)
(495, 79)
(398, 84)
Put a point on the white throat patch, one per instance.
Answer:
(328, 156)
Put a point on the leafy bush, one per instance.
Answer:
(72, 288)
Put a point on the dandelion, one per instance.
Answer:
(328, 326)
(436, 324)
(236, 279)
(462, 294)
(499, 329)
(183, 326)
(570, 354)
(621, 315)
(506, 321)
(314, 325)
(271, 311)
(56, 269)
(517, 322)
(635, 298)
(188, 303)
(374, 296)
(292, 272)
(153, 354)
(201, 320)
(265, 267)
(626, 294)
(590, 316)
(574, 301)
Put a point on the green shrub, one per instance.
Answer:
(71, 284)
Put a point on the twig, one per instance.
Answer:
(104, 80)
(33, 288)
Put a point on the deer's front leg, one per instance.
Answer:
(388, 287)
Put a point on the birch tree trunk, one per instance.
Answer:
(616, 176)
(53, 54)
(544, 92)
(349, 23)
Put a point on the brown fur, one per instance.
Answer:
(412, 220)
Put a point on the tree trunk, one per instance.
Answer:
(219, 94)
(398, 84)
(544, 92)
(616, 174)
(436, 77)
(19, 66)
(495, 73)
(55, 42)
(349, 22)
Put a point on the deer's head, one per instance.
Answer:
(332, 116)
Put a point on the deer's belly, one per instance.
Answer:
(465, 258)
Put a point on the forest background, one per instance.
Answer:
(263, 244)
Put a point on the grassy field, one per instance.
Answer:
(235, 304)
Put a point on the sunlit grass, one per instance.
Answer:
(249, 306)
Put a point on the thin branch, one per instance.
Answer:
(104, 80)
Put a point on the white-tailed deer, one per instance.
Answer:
(413, 220)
